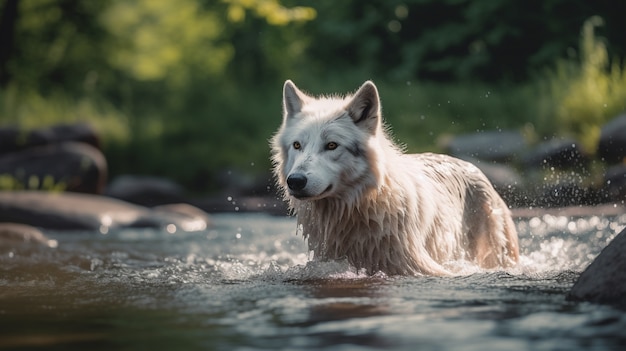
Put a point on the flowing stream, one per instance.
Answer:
(247, 284)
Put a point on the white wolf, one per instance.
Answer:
(358, 197)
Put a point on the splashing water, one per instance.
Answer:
(248, 283)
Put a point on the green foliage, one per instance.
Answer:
(166, 40)
(29, 110)
(584, 94)
(58, 46)
(452, 39)
(186, 89)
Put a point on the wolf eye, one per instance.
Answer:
(331, 146)
(296, 145)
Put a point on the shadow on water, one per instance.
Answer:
(248, 283)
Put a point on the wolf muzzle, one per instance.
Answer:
(296, 181)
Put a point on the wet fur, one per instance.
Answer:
(368, 202)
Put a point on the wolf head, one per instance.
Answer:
(325, 146)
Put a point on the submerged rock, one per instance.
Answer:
(68, 211)
(604, 281)
(12, 234)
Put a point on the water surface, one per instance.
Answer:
(247, 283)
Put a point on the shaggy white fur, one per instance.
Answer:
(358, 197)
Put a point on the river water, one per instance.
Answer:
(247, 284)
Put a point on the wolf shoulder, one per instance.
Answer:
(443, 167)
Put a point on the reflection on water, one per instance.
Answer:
(247, 283)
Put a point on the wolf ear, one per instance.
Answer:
(364, 108)
(293, 99)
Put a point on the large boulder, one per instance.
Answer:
(604, 281)
(70, 166)
(612, 144)
(67, 211)
(145, 190)
(559, 153)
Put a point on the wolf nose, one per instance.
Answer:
(296, 181)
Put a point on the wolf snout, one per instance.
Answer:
(296, 181)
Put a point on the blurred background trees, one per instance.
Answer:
(190, 88)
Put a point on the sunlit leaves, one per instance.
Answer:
(271, 10)
(166, 39)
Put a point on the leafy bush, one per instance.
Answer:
(581, 95)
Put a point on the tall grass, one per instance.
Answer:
(580, 95)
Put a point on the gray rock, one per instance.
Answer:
(145, 190)
(612, 144)
(72, 166)
(615, 183)
(559, 153)
(12, 234)
(192, 218)
(67, 211)
(490, 145)
(604, 281)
